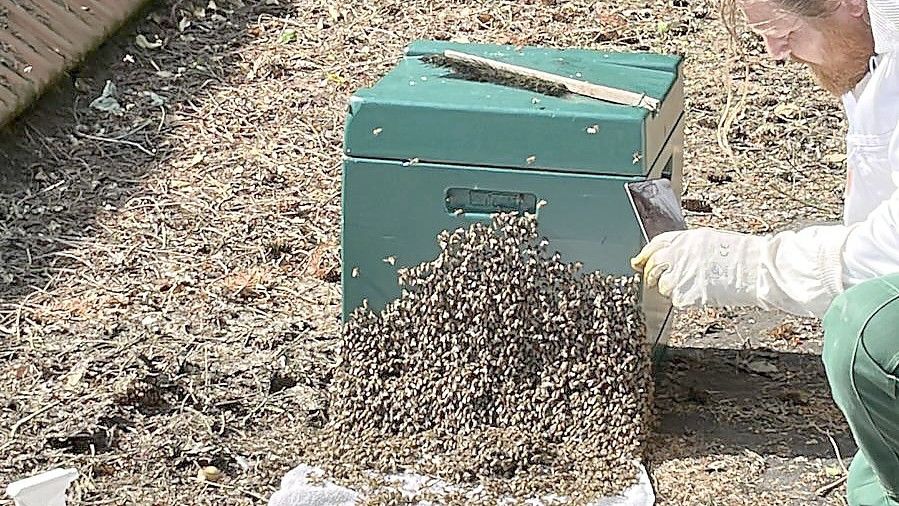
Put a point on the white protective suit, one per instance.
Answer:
(871, 248)
(802, 272)
(866, 246)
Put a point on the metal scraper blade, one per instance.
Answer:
(658, 211)
(656, 206)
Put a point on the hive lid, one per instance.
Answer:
(422, 112)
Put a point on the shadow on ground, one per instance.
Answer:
(769, 402)
(747, 425)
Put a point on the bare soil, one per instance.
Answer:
(169, 277)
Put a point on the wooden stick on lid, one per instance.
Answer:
(597, 91)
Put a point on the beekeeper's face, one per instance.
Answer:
(832, 37)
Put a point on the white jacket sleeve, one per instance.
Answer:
(801, 272)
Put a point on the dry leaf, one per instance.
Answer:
(761, 367)
(835, 158)
(335, 78)
(155, 99)
(833, 471)
(209, 473)
(75, 377)
(333, 13)
(287, 36)
(196, 159)
(716, 466)
(142, 41)
(787, 110)
(107, 102)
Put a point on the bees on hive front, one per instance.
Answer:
(499, 364)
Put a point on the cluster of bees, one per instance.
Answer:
(500, 367)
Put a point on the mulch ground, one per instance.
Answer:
(169, 275)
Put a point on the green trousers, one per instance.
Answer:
(861, 356)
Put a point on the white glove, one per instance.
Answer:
(798, 272)
(703, 267)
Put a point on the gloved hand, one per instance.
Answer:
(703, 267)
(798, 272)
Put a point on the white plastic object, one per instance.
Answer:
(45, 489)
(640, 494)
(298, 489)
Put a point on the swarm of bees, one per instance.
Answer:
(499, 366)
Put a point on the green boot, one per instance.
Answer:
(863, 488)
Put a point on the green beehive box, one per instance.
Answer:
(422, 144)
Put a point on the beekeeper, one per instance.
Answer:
(848, 273)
